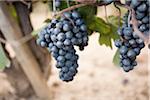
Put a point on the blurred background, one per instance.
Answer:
(97, 79)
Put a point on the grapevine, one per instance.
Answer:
(68, 29)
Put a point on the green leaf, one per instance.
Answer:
(105, 40)
(87, 12)
(64, 4)
(113, 33)
(115, 20)
(116, 59)
(4, 61)
(47, 20)
(99, 25)
(89, 32)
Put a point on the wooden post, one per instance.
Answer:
(12, 33)
(43, 57)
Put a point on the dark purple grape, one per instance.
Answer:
(131, 53)
(61, 36)
(61, 58)
(118, 43)
(126, 62)
(67, 42)
(75, 15)
(142, 7)
(69, 35)
(66, 27)
(123, 49)
(127, 31)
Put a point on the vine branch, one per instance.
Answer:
(71, 8)
(80, 5)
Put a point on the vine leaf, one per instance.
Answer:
(64, 4)
(113, 33)
(106, 40)
(114, 20)
(47, 20)
(116, 59)
(99, 25)
(87, 12)
(4, 61)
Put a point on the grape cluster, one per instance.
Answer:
(60, 37)
(130, 44)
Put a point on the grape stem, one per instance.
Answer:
(129, 17)
(69, 19)
(80, 5)
(54, 7)
(119, 16)
(70, 8)
(106, 17)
